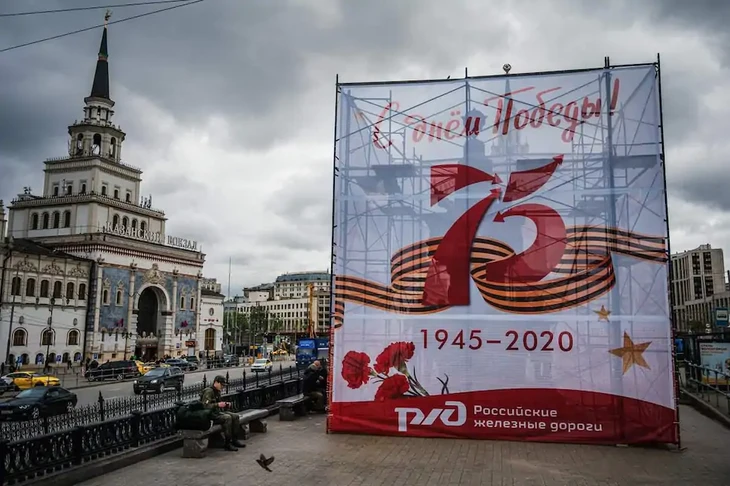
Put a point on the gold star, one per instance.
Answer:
(603, 314)
(631, 353)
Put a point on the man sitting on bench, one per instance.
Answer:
(314, 385)
(219, 414)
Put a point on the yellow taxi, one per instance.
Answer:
(24, 380)
(152, 365)
(140, 366)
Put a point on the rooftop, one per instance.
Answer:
(303, 277)
(306, 456)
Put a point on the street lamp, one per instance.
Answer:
(50, 332)
(126, 335)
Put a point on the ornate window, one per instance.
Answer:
(105, 297)
(47, 338)
(115, 221)
(44, 288)
(16, 286)
(30, 287)
(20, 337)
(82, 291)
(57, 289)
(70, 291)
(73, 338)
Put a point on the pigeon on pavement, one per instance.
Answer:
(265, 463)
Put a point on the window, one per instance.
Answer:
(105, 297)
(45, 220)
(44, 288)
(66, 358)
(119, 297)
(83, 188)
(129, 197)
(67, 219)
(115, 221)
(47, 338)
(30, 287)
(56, 219)
(82, 291)
(125, 223)
(73, 338)
(142, 226)
(57, 289)
(70, 291)
(182, 303)
(104, 190)
(34, 221)
(15, 286)
(134, 224)
(210, 339)
(55, 189)
(20, 337)
(69, 189)
(116, 193)
(192, 304)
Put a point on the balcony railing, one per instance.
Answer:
(31, 200)
(69, 158)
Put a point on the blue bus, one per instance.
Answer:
(309, 350)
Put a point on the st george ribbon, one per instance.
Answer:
(501, 259)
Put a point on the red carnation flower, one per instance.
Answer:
(356, 369)
(394, 356)
(392, 387)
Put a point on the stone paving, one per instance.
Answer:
(306, 456)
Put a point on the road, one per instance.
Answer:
(88, 394)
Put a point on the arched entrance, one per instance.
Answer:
(149, 312)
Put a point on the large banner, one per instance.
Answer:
(500, 252)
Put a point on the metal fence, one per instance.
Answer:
(27, 459)
(710, 384)
(105, 409)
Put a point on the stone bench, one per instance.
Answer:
(292, 407)
(196, 442)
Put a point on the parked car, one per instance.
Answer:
(5, 386)
(193, 359)
(262, 364)
(183, 364)
(23, 380)
(159, 379)
(113, 370)
(38, 402)
(146, 367)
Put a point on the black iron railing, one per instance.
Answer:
(24, 460)
(710, 384)
(106, 409)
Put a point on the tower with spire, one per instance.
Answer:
(95, 253)
(96, 135)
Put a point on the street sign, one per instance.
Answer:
(721, 316)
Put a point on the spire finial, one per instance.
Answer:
(107, 16)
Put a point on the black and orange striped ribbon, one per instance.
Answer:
(586, 265)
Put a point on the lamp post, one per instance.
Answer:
(7, 257)
(50, 331)
(126, 335)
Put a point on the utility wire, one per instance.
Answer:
(99, 25)
(77, 9)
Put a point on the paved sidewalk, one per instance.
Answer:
(306, 456)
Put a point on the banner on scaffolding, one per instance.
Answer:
(500, 252)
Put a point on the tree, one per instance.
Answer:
(258, 320)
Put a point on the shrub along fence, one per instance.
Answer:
(105, 409)
(26, 459)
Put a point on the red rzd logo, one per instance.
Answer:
(441, 414)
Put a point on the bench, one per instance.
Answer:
(292, 407)
(196, 442)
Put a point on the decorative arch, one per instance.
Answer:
(20, 337)
(163, 298)
(73, 338)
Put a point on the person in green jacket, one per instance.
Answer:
(220, 413)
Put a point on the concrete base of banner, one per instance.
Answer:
(705, 408)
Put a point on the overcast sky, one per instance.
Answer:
(228, 105)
